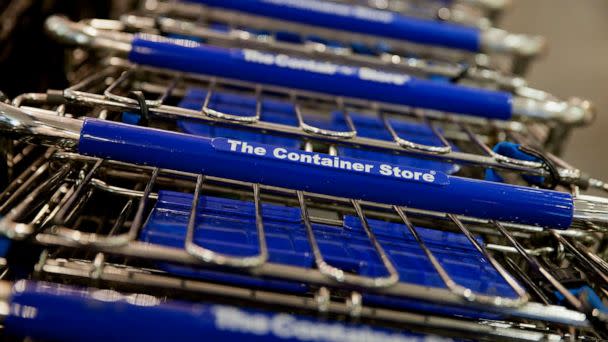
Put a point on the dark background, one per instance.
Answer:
(576, 65)
(29, 60)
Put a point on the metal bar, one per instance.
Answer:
(533, 263)
(337, 274)
(216, 258)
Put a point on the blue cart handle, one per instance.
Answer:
(325, 174)
(56, 312)
(317, 76)
(383, 24)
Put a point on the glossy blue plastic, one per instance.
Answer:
(228, 226)
(513, 150)
(319, 76)
(5, 245)
(589, 297)
(358, 19)
(336, 176)
(61, 313)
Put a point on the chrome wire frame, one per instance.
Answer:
(238, 37)
(58, 205)
(107, 34)
(317, 303)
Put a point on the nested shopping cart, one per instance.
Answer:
(216, 26)
(364, 25)
(270, 233)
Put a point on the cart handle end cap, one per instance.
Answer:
(583, 111)
(81, 34)
(575, 111)
(495, 40)
(66, 31)
(44, 127)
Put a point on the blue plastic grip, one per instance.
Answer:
(358, 19)
(319, 76)
(55, 312)
(324, 174)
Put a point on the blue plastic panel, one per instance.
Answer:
(283, 113)
(372, 127)
(239, 105)
(228, 226)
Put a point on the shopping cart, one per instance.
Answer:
(365, 83)
(343, 22)
(271, 233)
(225, 34)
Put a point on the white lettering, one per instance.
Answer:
(396, 171)
(306, 64)
(293, 156)
(260, 151)
(280, 153)
(386, 170)
(407, 174)
(232, 319)
(285, 326)
(369, 74)
(326, 68)
(334, 162)
(280, 326)
(428, 177)
(258, 57)
(246, 148)
(233, 144)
